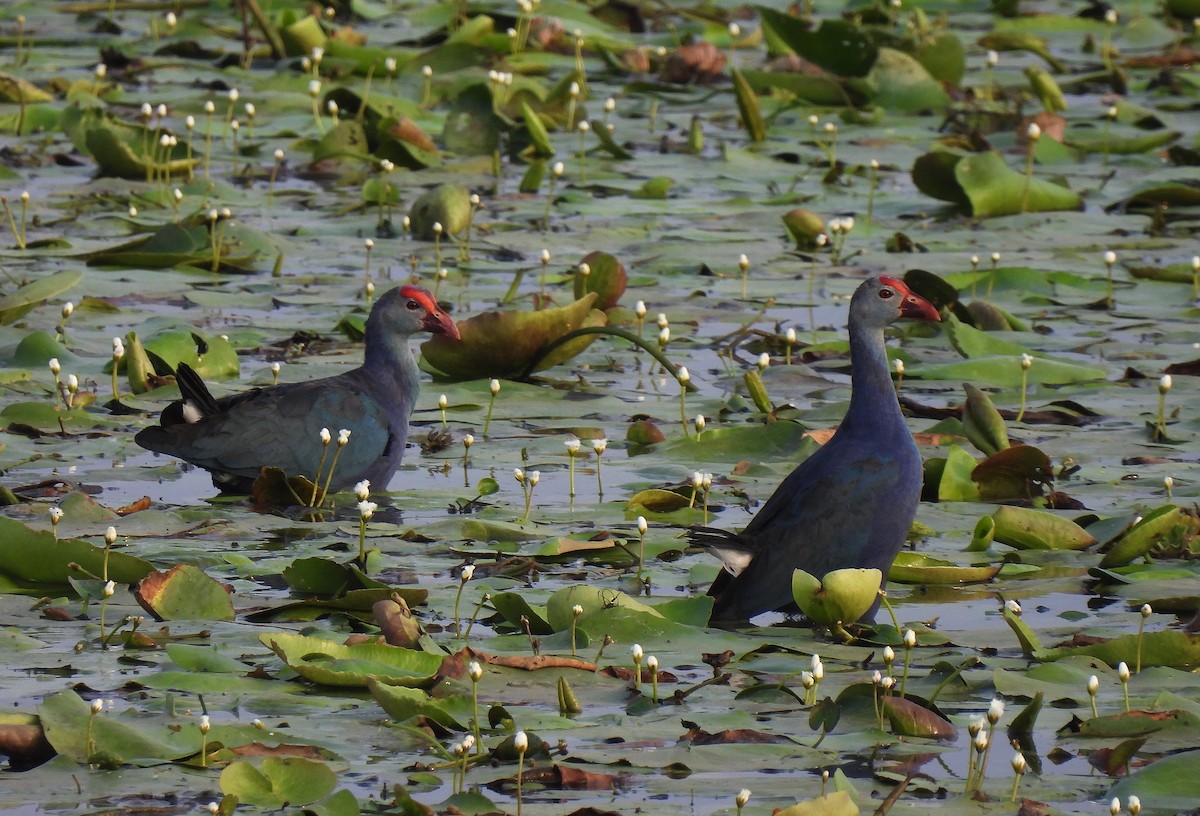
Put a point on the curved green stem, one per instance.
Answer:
(614, 332)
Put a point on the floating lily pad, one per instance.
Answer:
(505, 344)
(183, 592)
(333, 664)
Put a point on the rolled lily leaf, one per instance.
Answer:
(748, 108)
(917, 568)
(1028, 529)
(842, 596)
(911, 719)
(1142, 536)
(982, 422)
(504, 344)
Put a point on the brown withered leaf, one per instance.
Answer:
(136, 507)
(627, 674)
(1189, 369)
(698, 736)
(564, 777)
(455, 665)
(1031, 807)
(1052, 125)
(258, 749)
(697, 62)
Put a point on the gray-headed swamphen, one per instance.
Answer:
(234, 437)
(848, 505)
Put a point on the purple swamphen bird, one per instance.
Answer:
(850, 504)
(235, 437)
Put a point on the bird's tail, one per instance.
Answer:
(194, 391)
(735, 552)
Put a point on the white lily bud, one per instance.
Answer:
(325, 437)
(1026, 362)
(519, 475)
(642, 525)
(887, 683)
(468, 440)
(599, 446)
(205, 724)
(68, 309)
(1114, 807)
(664, 335)
(97, 706)
(558, 169)
(992, 59)
(700, 422)
(443, 402)
(636, 651)
(1164, 384)
(743, 796)
(1012, 606)
(56, 514)
(494, 386)
(1147, 610)
(684, 375)
(1034, 132)
(521, 742)
(577, 610)
(1123, 671)
(572, 446)
(362, 490)
(889, 654)
(534, 477)
(366, 509)
(910, 638)
(467, 573)
(1018, 763)
(1110, 258)
(639, 309)
(55, 366)
(981, 741)
(109, 589)
(343, 437)
(995, 710)
(1093, 685)
(1134, 804)
(110, 536)
(474, 670)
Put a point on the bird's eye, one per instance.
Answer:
(413, 305)
(886, 293)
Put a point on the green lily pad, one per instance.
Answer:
(18, 303)
(293, 781)
(38, 563)
(1138, 540)
(1027, 529)
(334, 664)
(842, 596)
(987, 186)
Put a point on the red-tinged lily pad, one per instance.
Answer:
(506, 344)
(606, 277)
(910, 719)
(184, 592)
(334, 664)
(918, 568)
(986, 186)
(1019, 472)
(37, 564)
(1027, 529)
(841, 596)
(292, 781)
(1167, 648)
